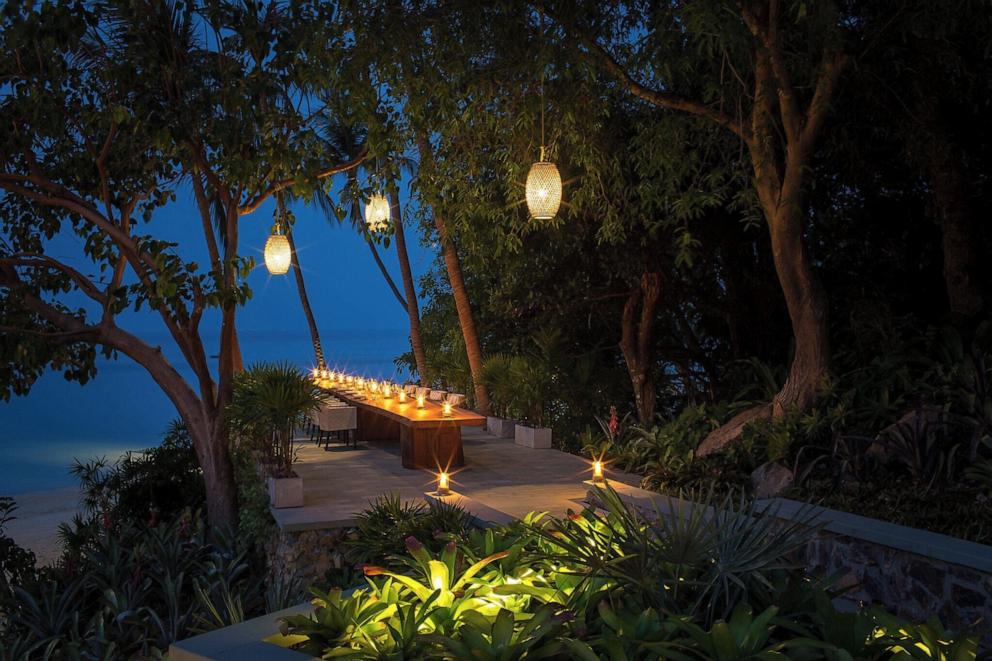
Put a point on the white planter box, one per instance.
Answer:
(285, 491)
(500, 427)
(538, 438)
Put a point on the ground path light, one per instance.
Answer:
(597, 472)
(443, 486)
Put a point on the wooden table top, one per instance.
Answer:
(408, 414)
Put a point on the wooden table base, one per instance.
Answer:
(439, 448)
(427, 447)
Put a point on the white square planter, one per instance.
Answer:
(500, 427)
(285, 491)
(538, 438)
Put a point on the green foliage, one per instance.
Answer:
(380, 529)
(158, 483)
(270, 400)
(689, 583)
(132, 589)
(17, 565)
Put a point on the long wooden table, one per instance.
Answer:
(428, 438)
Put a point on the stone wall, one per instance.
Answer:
(912, 586)
(306, 556)
(902, 569)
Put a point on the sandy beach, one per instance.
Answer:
(39, 514)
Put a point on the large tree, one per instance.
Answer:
(111, 111)
(783, 62)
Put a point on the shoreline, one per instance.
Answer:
(37, 518)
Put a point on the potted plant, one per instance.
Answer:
(520, 387)
(270, 400)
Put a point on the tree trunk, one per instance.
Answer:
(212, 449)
(952, 196)
(465, 317)
(460, 293)
(637, 343)
(412, 307)
(301, 289)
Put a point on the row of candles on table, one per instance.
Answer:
(333, 378)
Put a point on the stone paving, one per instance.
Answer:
(505, 477)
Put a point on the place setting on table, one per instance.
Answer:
(426, 422)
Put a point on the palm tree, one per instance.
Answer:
(412, 309)
(350, 139)
(318, 348)
(459, 292)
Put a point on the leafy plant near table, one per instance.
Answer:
(270, 400)
(610, 583)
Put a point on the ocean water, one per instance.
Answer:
(123, 409)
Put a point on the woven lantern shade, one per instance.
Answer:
(377, 213)
(543, 190)
(277, 253)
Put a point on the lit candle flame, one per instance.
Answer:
(443, 487)
(402, 397)
(597, 471)
(446, 408)
(420, 401)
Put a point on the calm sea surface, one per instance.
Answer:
(123, 409)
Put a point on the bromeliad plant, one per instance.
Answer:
(706, 581)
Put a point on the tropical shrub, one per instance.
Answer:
(270, 400)
(381, 528)
(708, 581)
(158, 483)
(17, 565)
(131, 589)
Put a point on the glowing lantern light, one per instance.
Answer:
(597, 472)
(443, 487)
(543, 189)
(402, 396)
(420, 401)
(446, 409)
(377, 213)
(277, 253)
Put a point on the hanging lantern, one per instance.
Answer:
(543, 189)
(377, 213)
(277, 252)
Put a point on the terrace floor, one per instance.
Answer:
(508, 479)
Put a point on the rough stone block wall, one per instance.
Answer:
(306, 556)
(912, 586)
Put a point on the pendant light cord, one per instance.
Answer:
(541, 10)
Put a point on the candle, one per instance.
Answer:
(597, 471)
(402, 397)
(446, 409)
(420, 400)
(387, 392)
(443, 489)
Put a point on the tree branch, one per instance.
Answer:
(663, 99)
(833, 65)
(768, 36)
(31, 260)
(277, 186)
